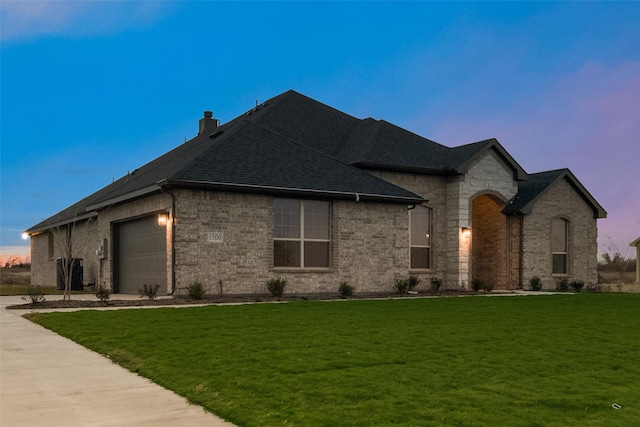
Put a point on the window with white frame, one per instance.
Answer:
(301, 233)
(420, 236)
(560, 245)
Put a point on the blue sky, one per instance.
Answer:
(91, 90)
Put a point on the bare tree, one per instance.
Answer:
(70, 240)
(617, 260)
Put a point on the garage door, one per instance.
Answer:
(141, 256)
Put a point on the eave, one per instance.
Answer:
(49, 226)
(444, 171)
(169, 184)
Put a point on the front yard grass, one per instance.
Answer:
(560, 360)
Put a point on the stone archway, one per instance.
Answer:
(489, 241)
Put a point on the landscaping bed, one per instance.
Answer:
(224, 299)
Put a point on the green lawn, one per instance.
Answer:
(559, 360)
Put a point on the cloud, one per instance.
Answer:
(588, 121)
(24, 20)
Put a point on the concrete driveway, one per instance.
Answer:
(48, 380)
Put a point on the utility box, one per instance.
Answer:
(77, 273)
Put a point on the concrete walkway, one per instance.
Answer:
(48, 380)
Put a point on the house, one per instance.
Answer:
(296, 189)
(636, 243)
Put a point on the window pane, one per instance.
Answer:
(559, 235)
(559, 264)
(286, 254)
(316, 220)
(420, 257)
(289, 236)
(286, 219)
(420, 218)
(316, 254)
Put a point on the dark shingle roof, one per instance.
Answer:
(462, 157)
(259, 159)
(292, 144)
(382, 145)
(536, 184)
(280, 147)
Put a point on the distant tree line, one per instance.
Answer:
(10, 261)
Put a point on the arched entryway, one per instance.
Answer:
(489, 241)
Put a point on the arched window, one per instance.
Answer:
(420, 237)
(560, 246)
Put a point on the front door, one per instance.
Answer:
(489, 242)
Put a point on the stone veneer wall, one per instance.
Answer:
(514, 254)
(43, 264)
(368, 245)
(370, 241)
(434, 189)
(90, 237)
(560, 201)
(490, 175)
(44, 253)
(451, 198)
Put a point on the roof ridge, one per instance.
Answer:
(551, 171)
(300, 144)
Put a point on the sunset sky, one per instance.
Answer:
(91, 90)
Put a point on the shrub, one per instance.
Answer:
(577, 285)
(402, 285)
(413, 282)
(405, 285)
(477, 284)
(346, 290)
(35, 294)
(149, 291)
(276, 286)
(103, 294)
(487, 286)
(436, 283)
(562, 285)
(535, 283)
(195, 290)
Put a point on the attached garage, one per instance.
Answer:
(140, 255)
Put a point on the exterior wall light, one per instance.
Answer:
(466, 231)
(162, 220)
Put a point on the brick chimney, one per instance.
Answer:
(208, 124)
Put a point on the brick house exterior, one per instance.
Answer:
(299, 190)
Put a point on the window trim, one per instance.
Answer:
(565, 253)
(429, 246)
(302, 240)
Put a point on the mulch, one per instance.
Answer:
(220, 299)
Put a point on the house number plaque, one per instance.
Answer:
(215, 237)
